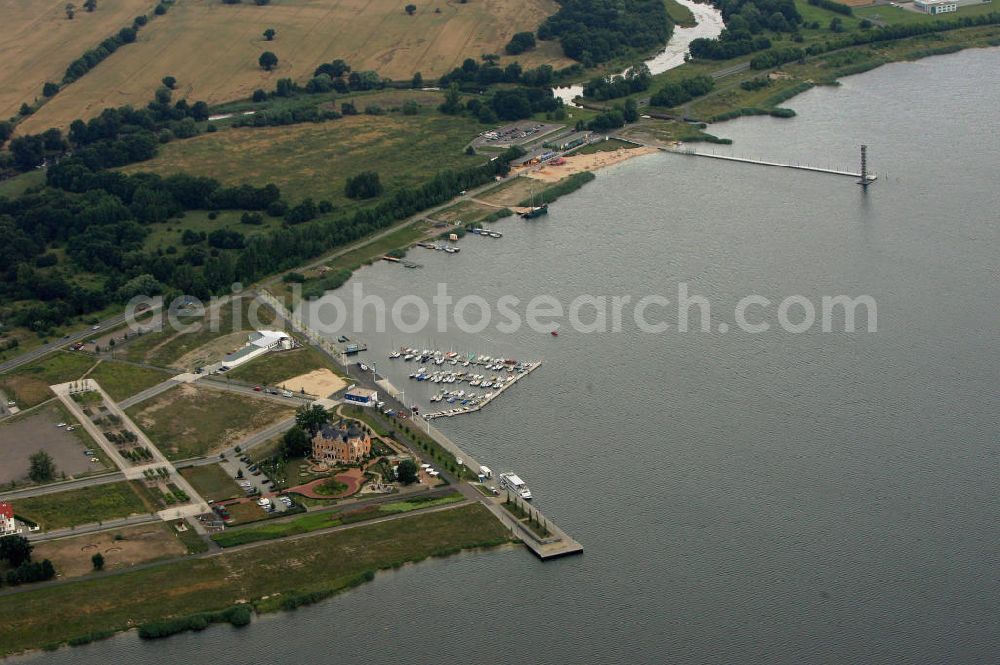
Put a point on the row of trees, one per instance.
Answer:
(683, 91)
(636, 79)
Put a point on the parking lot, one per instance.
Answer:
(23, 438)
(516, 133)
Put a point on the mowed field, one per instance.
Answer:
(315, 159)
(212, 48)
(38, 42)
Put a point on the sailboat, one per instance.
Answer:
(533, 210)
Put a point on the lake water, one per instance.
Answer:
(742, 498)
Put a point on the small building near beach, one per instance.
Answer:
(341, 443)
(361, 396)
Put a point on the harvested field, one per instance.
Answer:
(369, 35)
(320, 382)
(39, 42)
(23, 437)
(192, 421)
(120, 548)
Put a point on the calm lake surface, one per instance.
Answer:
(742, 498)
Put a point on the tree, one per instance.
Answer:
(452, 104)
(42, 468)
(364, 185)
(70, 10)
(631, 111)
(312, 418)
(296, 443)
(269, 34)
(519, 43)
(418, 81)
(169, 81)
(411, 9)
(90, 5)
(268, 61)
(406, 472)
(49, 89)
(98, 561)
(15, 550)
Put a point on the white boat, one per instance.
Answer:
(512, 483)
(408, 356)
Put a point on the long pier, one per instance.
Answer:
(869, 177)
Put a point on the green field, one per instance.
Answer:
(315, 522)
(81, 506)
(315, 159)
(212, 482)
(680, 14)
(192, 421)
(29, 384)
(16, 186)
(165, 347)
(273, 369)
(325, 564)
(122, 380)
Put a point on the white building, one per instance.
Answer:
(8, 526)
(258, 343)
(936, 7)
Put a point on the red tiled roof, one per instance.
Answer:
(6, 510)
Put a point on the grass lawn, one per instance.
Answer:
(122, 380)
(680, 14)
(193, 421)
(16, 186)
(166, 347)
(81, 506)
(212, 482)
(189, 538)
(605, 146)
(273, 369)
(162, 236)
(325, 564)
(29, 384)
(315, 522)
(315, 159)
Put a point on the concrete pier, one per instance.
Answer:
(746, 160)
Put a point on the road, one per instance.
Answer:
(54, 488)
(45, 349)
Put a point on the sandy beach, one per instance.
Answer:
(549, 172)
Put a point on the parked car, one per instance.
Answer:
(287, 393)
(257, 389)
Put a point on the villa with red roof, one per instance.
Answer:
(8, 526)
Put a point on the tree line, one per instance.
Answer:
(596, 31)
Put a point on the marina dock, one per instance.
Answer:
(450, 368)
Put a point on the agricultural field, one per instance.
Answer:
(192, 421)
(315, 159)
(82, 506)
(39, 42)
(184, 43)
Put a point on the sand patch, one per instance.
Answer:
(592, 162)
(319, 382)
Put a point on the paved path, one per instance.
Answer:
(54, 488)
(93, 527)
(148, 393)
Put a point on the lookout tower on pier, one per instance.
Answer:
(865, 178)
